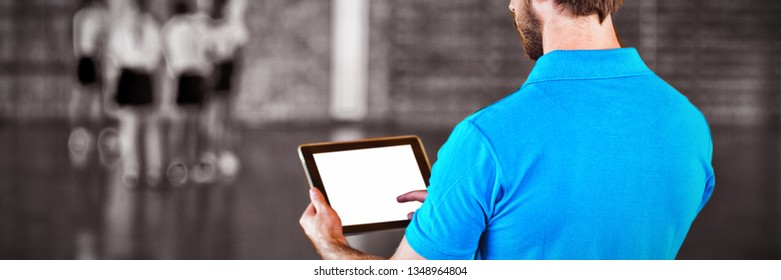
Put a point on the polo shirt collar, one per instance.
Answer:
(588, 64)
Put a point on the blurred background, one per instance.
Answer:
(321, 70)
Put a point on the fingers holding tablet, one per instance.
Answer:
(320, 222)
(319, 201)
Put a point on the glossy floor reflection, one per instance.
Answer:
(51, 210)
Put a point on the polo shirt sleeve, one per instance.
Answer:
(460, 201)
(710, 180)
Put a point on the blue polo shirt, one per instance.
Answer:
(594, 157)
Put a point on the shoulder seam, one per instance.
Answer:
(488, 146)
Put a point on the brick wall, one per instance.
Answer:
(287, 62)
(447, 60)
(35, 54)
(431, 61)
(723, 55)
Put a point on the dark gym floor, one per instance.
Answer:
(51, 210)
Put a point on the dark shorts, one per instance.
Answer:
(88, 71)
(223, 77)
(134, 88)
(191, 90)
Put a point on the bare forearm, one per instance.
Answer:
(323, 227)
(344, 252)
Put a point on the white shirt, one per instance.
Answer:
(230, 33)
(135, 41)
(187, 43)
(89, 29)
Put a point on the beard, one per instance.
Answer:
(529, 28)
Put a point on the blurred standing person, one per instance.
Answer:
(86, 119)
(186, 43)
(84, 108)
(229, 34)
(134, 45)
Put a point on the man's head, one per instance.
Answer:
(529, 21)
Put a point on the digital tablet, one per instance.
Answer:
(361, 179)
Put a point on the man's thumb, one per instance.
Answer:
(317, 199)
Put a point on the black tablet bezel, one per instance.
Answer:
(306, 153)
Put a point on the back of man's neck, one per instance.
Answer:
(581, 33)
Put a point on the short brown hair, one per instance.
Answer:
(602, 8)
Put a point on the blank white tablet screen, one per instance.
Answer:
(362, 185)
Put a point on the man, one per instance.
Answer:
(595, 157)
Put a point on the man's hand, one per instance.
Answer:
(418, 196)
(323, 227)
(321, 224)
